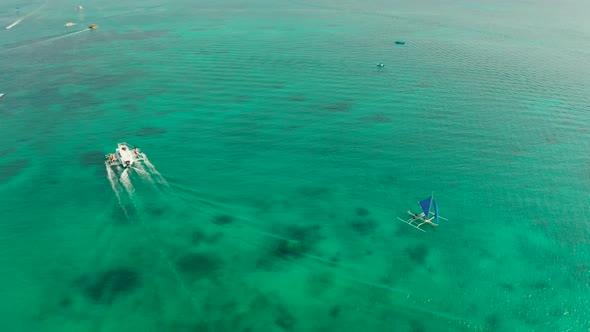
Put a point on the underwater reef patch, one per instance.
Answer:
(199, 237)
(223, 219)
(363, 226)
(12, 169)
(319, 282)
(123, 215)
(92, 158)
(199, 265)
(107, 286)
(301, 239)
(344, 106)
(297, 241)
(492, 322)
(335, 311)
(284, 318)
(362, 212)
(150, 131)
(297, 97)
(418, 253)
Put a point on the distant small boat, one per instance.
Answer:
(380, 65)
(69, 24)
(400, 42)
(124, 155)
(1, 95)
(426, 217)
(93, 27)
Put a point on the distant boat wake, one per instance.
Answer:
(122, 185)
(22, 18)
(15, 23)
(120, 179)
(44, 40)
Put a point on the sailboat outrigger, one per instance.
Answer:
(426, 217)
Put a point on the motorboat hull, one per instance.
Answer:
(124, 156)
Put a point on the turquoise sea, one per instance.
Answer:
(282, 157)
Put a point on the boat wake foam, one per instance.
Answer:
(154, 171)
(113, 181)
(121, 180)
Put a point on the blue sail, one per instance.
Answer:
(435, 212)
(425, 205)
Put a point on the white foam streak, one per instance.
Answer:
(153, 170)
(14, 23)
(126, 181)
(143, 173)
(113, 179)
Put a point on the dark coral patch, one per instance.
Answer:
(198, 237)
(6, 152)
(418, 253)
(131, 107)
(416, 326)
(124, 214)
(298, 241)
(362, 212)
(335, 311)
(242, 99)
(492, 322)
(307, 234)
(150, 131)
(92, 158)
(285, 319)
(297, 97)
(199, 265)
(363, 226)
(313, 192)
(12, 169)
(156, 210)
(107, 286)
(345, 106)
(318, 283)
(378, 118)
(223, 219)
(65, 302)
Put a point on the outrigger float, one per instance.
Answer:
(426, 217)
(125, 155)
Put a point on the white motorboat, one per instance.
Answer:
(125, 155)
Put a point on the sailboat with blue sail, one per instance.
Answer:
(429, 214)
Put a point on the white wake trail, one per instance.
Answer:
(22, 18)
(44, 41)
(15, 23)
(113, 179)
(153, 170)
(126, 181)
(143, 173)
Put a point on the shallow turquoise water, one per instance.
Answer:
(287, 156)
